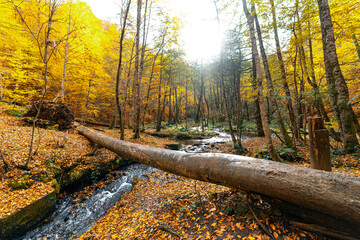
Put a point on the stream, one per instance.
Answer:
(72, 219)
(204, 145)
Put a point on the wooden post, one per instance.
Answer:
(319, 144)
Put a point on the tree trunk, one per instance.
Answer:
(337, 88)
(1, 87)
(186, 104)
(222, 80)
(65, 58)
(357, 45)
(334, 194)
(270, 86)
(319, 104)
(170, 107)
(259, 126)
(264, 117)
(200, 102)
(137, 76)
(119, 72)
(158, 121)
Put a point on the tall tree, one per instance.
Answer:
(289, 103)
(337, 87)
(66, 57)
(264, 116)
(119, 70)
(269, 81)
(45, 55)
(222, 81)
(137, 76)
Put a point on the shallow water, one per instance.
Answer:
(72, 219)
(204, 145)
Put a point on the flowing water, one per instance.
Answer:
(72, 219)
(204, 145)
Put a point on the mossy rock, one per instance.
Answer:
(21, 221)
(23, 183)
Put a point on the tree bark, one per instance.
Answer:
(259, 126)
(357, 45)
(334, 194)
(337, 88)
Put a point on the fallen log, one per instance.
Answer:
(336, 195)
(100, 124)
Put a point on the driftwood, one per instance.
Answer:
(334, 195)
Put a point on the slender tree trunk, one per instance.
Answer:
(158, 122)
(337, 88)
(238, 112)
(1, 87)
(357, 45)
(222, 80)
(289, 103)
(65, 58)
(119, 72)
(201, 95)
(137, 72)
(264, 117)
(259, 126)
(317, 96)
(176, 107)
(303, 67)
(52, 6)
(186, 104)
(114, 118)
(149, 87)
(170, 107)
(127, 99)
(84, 115)
(270, 86)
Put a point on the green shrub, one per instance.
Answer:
(15, 112)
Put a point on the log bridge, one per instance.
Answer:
(331, 200)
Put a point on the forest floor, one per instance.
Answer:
(164, 206)
(58, 151)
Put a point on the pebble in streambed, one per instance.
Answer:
(72, 219)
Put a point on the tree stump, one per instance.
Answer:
(319, 144)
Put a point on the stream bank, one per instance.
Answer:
(73, 217)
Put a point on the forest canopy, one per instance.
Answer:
(151, 81)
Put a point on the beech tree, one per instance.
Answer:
(337, 87)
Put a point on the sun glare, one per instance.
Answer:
(200, 36)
